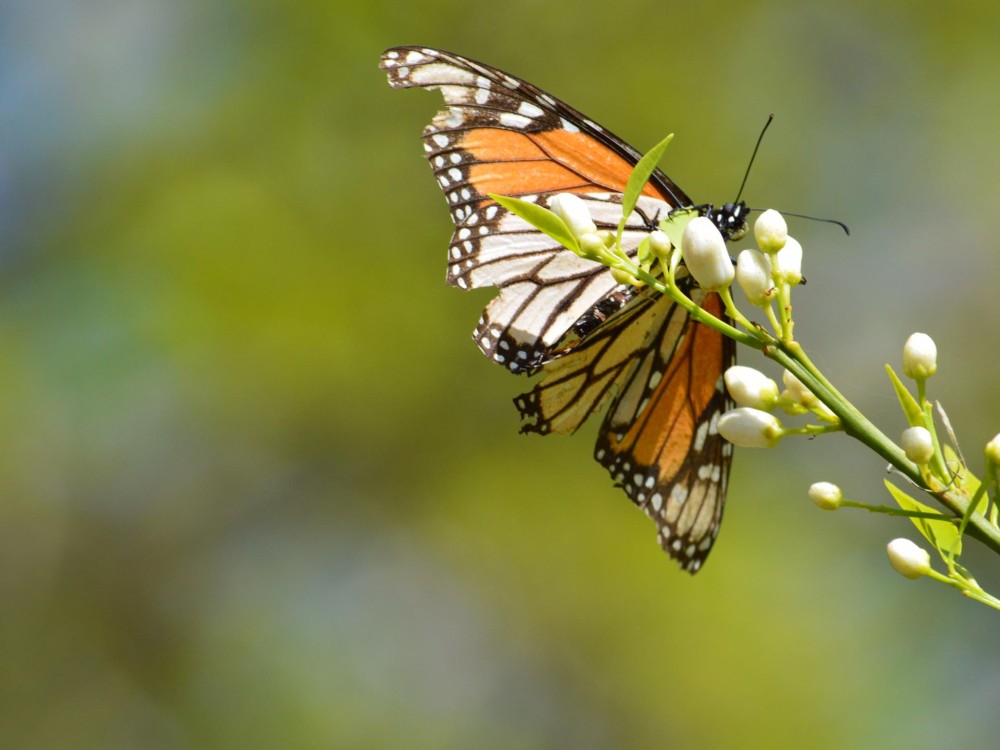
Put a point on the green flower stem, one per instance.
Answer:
(733, 312)
(812, 429)
(937, 464)
(791, 356)
(693, 309)
(968, 588)
(785, 312)
(969, 512)
(890, 511)
(983, 597)
(775, 325)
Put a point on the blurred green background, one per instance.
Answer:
(259, 488)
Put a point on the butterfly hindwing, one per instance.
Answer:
(659, 440)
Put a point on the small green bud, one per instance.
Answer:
(624, 277)
(993, 451)
(591, 245)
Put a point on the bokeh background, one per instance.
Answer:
(259, 489)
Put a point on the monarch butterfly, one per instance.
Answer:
(596, 342)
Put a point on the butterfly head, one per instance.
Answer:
(730, 220)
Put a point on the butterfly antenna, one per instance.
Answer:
(840, 224)
(753, 156)
(770, 119)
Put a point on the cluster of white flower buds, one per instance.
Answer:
(751, 425)
(758, 272)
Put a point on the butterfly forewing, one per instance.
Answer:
(501, 135)
(596, 342)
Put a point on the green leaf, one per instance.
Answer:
(914, 414)
(640, 176)
(942, 534)
(541, 219)
(674, 225)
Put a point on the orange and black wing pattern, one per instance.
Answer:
(595, 341)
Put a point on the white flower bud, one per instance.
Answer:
(919, 357)
(908, 559)
(750, 428)
(798, 391)
(574, 212)
(706, 256)
(771, 231)
(993, 451)
(660, 245)
(826, 495)
(918, 445)
(788, 262)
(753, 272)
(750, 387)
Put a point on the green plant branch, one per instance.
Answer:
(857, 426)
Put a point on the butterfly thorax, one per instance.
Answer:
(731, 219)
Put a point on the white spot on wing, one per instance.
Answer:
(512, 120)
(699, 436)
(678, 494)
(568, 126)
(530, 110)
